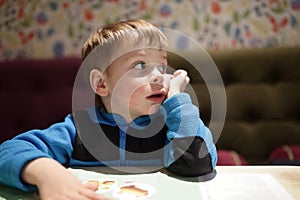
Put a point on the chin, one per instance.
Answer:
(154, 109)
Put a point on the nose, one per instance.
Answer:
(157, 79)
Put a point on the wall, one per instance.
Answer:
(49, 28)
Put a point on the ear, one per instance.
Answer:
(97, 82)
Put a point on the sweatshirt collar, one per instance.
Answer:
(100, 115)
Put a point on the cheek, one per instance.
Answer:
(134, 85)
(138, 94)
(129, 90)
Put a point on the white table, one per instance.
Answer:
(287, 176)
(283, 178)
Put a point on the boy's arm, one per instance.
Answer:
(54, 142)
(191, 151)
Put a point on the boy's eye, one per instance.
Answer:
(146, 67)
(140, 66)
(162, 68)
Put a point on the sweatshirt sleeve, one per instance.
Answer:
(54, 142)
(191, 151)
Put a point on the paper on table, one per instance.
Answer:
(259, 186)
(166, 187)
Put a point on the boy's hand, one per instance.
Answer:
(55, 182)
(67, 187)
(178, 82)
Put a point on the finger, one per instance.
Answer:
(91, 185)
(89, 194)
(167, 79)
(187, 79)
(180, 72)
(176, 73)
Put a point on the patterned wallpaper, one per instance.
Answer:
(52, 28)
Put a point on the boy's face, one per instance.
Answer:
(137, 83)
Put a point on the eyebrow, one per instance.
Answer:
(141, 53)
(135, 53)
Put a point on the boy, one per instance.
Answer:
(141, 117)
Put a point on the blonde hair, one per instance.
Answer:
(114, 32)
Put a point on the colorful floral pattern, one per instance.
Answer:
(52, 28)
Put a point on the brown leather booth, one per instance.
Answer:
(262, 90)
(35, 93)
(263, 99)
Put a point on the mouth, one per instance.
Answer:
(157, 97)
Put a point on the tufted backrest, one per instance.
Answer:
(262, 89)
(35, 93)
(263, 99)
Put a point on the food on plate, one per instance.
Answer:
(133, 190)
(104, 184)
